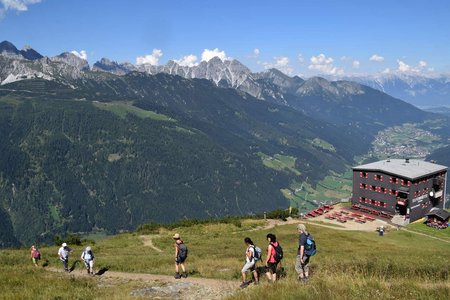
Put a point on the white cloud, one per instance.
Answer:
(209, 54)
(18, 5)
(82, 54)
(152, 59)
(376, 58)
(356, 64)
(255, 54)
(324, 65)
(405, 68)
(187, 61)
(281, 63)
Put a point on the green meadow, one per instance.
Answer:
(348, 265)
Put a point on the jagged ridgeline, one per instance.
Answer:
(114, 152)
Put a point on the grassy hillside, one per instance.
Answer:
(348, 265)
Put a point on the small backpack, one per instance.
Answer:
(36, 254)
(278, 253)
(182, 251)
(257, 253)
(310, 247)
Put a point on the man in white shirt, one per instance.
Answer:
(63, 254)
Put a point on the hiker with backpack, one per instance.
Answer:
(181, 253)
(63, 254)
(306, 249)
(252, 255)
(274, 256)
(88, 257)
(35, 255)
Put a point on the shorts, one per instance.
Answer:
(35, 260)
(248, 266)
(180, 260)
(89, 263)
(271, 267)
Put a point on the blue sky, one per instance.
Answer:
(299, 37)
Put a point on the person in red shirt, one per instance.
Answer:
(271, 263)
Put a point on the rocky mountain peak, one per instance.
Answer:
(29, 53)
(72, 60)
(110, 66)
(8, 48)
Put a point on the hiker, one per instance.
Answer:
(272, 258)
(304, 252)
(180, 256)
(251, 257)
(35, 255)
(63, 254)
(88, 257)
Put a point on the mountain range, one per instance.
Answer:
(419, 90)
(117, 145)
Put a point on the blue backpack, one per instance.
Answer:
(310, 247)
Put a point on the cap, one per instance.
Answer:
(88, 248)
(64, 245)
(176, 236)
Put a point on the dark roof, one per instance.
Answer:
(409, 169)
(439, 212)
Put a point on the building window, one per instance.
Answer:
(393, 180)
(378, 177)
(363, 175)
(382, 190)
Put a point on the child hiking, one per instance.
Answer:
(63, 254)
(88, 257)
(180, 256)
(35, 255)
(251, 257)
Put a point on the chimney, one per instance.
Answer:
(407, 160)
(388, 159)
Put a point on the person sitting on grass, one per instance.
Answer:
(88, 257)
(180, 256)
(250, 262)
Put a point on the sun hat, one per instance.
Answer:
(88, 248)
(64, 245)
(176, 236)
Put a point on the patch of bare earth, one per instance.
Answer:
(162, 286)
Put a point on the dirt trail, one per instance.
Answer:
(166, 286)
(424, 234)
(148, 242)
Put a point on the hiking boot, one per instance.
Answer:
(184, 275)
(177, 276)
(243, 285)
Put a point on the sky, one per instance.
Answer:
(306, 38)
